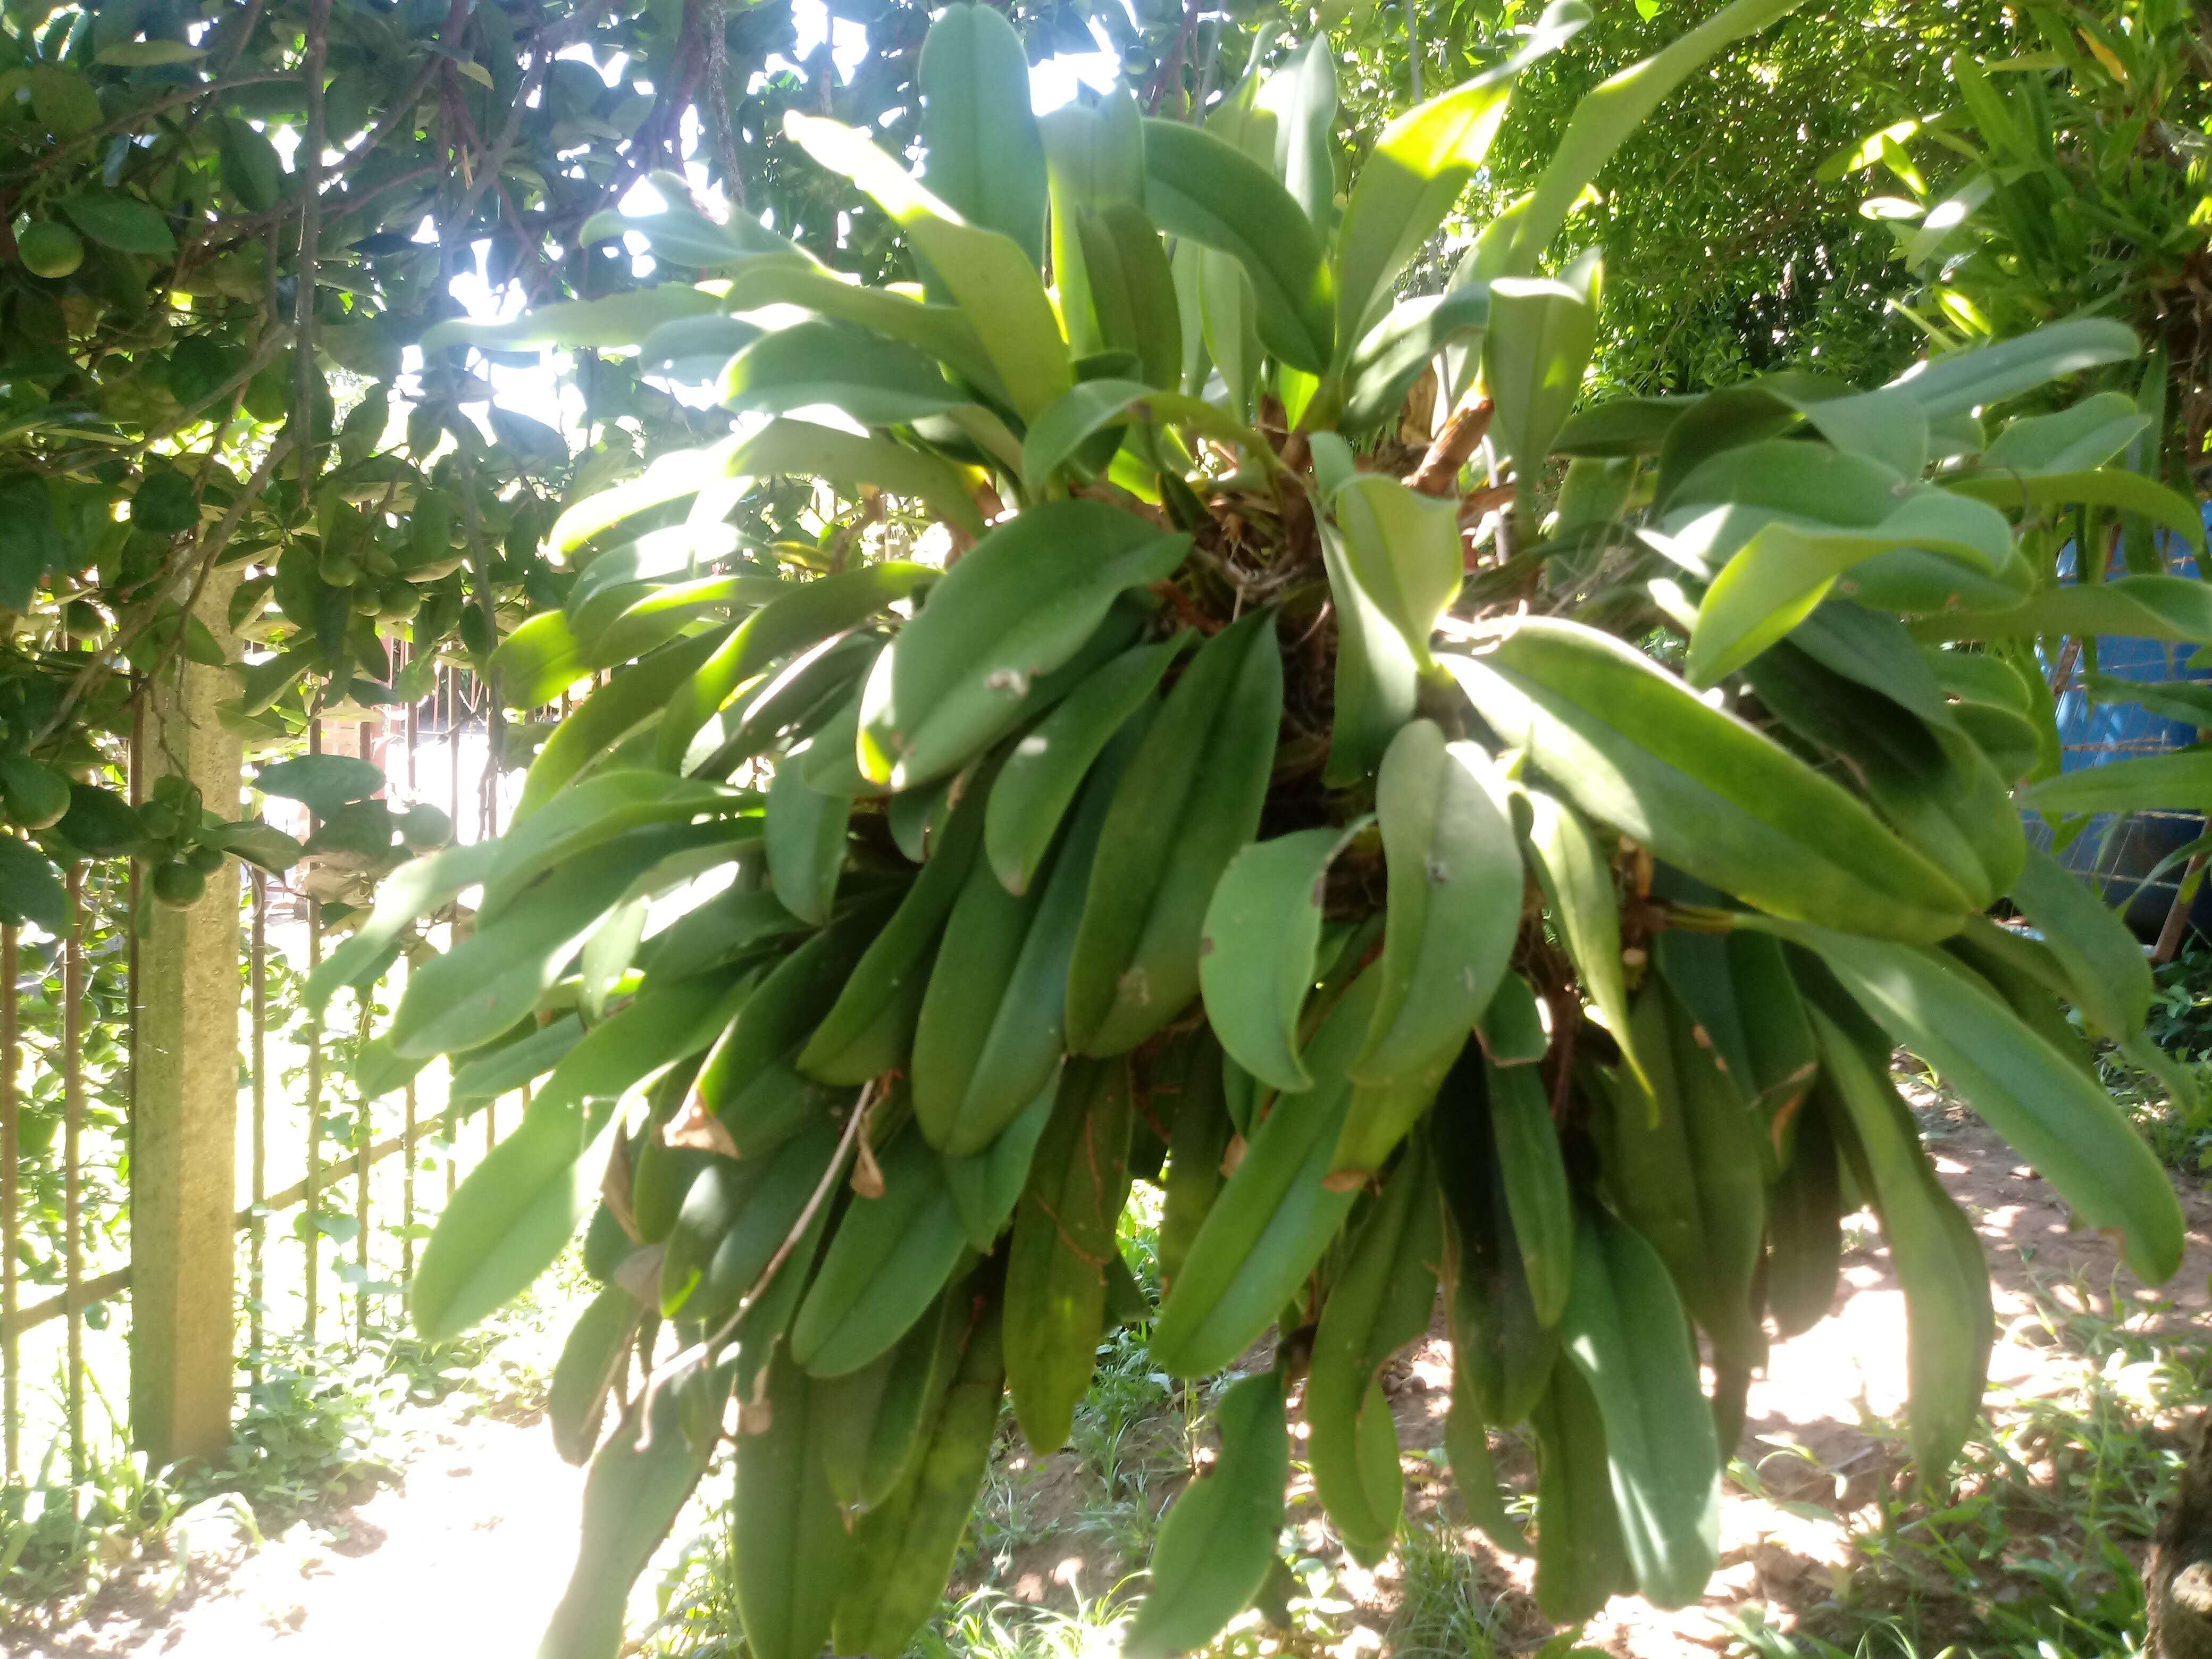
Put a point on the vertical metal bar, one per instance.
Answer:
(11, 1421)
(313, 1238)
(364, 1125)
(453, 764)
(72, 1141)
(453, 742)
(407, 1124)
(257, 1235)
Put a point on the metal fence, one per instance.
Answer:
(64, 1212)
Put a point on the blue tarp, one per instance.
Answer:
(2117, 857)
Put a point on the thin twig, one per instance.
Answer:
(550, 41)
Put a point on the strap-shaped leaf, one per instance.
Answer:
(1421, 163)
(2140, 783)
(2052, 1112)
(1961, 381)
(1256, 959)
(812, 613)
(1577, 876)
(620, 319)
(1542, 334)
(2106, 486)
(2177, 608)
(1606, 117)
(1454, 867)
(1197, 186)
(980, 143)
(1777, 578)
(1633, 747)
(1131, 289)
(681, 472)
(993, 277)
(878, 382)
(680, 236)
(1019, 604)
(1626, 1333)
(848, 459)
(515, 1212)
(1060, 432)
(1301, 94)
(2107, 973)
(2078, 437)
(640, 1479)
(1402, 549)
(1949, 1326)
(1218, 1539)
(1391, 356)
(943, 332)
(1377, 672)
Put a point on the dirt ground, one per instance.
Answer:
(480, 1522)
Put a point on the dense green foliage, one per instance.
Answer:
(1212, 808)
(1066, 725)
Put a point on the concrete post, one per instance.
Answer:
(184, 1160)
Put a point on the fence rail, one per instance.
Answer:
(455, 710)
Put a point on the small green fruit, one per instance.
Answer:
(337, 567)
(424, 828)
(81, 620)
(179, 885)
(50, 249)
(36, 795)
(205, 860)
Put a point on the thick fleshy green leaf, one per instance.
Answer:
(1776, 580)
(1301, 94)
(993, 277)
(1633, 747)
(1402, 549)
(847, 459)
(980, 143)
(943, 332)
(1606, 117)
(1131, 289)
(1256, 958)
(538, 662)
(2179, 780)
(1019, 604)
(1422, 161)
(1453, 897)
(1198, 186)
(2177, 608)
(2114, 487)
(1537, 345)
(1059, 433)
(680, 236)
(1391, 356)
(2086, 434)
(2105, 969)
(1218, 1540)
(1961, 381)
(812, 613)
(1626, 1333)
(620, 319)
(2052, 1112)
(878, 382)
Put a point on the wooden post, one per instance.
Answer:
(185, 1112)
